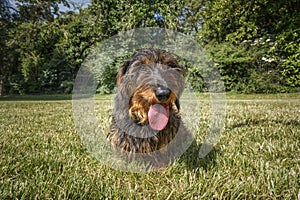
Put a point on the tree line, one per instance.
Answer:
(254, 43)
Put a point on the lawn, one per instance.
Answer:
(257, 157)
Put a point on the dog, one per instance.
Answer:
(146, 115)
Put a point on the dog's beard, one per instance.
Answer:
(124, 121)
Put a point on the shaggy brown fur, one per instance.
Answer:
(139, 82)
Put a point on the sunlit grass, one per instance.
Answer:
(257, 156)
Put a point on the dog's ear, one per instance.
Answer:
(122, 70)
(177, 104)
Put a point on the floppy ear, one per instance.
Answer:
(122, 70)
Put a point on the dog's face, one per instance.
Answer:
(154, 80)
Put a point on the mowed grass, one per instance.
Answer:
(257, 157)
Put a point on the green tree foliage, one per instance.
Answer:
(8, 56)
(255, 44)
(29, 41)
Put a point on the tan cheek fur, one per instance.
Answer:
(140, 104)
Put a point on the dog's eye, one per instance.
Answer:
(172, 65)
(178, 69)
(181, 70)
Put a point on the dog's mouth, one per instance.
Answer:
(158, 116)
(152, 107)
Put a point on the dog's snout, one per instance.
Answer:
(162, 93)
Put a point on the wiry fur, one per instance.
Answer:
(137, 79)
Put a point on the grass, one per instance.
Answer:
(257, 157)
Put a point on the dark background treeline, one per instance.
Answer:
(254, 43)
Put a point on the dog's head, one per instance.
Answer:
(154, 81)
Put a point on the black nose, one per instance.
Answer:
(162, 93)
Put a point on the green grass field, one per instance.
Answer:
(258, 156)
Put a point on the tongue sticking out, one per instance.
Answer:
(158, 116)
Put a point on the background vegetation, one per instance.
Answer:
(254, 43)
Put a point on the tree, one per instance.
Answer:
(267, 28)
(8, 55)
(254, 43)
(32, 37)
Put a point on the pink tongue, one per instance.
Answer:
(158, 116)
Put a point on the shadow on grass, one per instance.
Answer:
(248, 122)
(192, 159)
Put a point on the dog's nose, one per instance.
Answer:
(162, 93)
